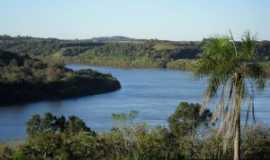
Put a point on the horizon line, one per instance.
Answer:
(109, 36)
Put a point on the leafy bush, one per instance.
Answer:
(187, 118)
(38, 125)
(256, 142)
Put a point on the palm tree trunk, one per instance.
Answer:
(238, 100)
(237, 139)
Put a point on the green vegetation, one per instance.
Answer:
(115, 51)
(232, 68)
(60, 138)
(182, 64)
(25, 79)
(187, 118)
(164, 46)
(118, 51)
(148, 54)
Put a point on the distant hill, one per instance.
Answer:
(116, 39)
(117, 51)
(47, 46)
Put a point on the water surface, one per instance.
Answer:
(155, 93)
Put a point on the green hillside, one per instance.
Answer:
(115, 51)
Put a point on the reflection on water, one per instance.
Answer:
(153, 92)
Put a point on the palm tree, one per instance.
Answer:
(232, 73)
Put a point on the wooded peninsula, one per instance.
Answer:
(25, 79)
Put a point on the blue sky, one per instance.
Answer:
(162, 19)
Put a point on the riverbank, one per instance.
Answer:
(121, 62)
(124, 62)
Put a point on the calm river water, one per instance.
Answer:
(154, 93)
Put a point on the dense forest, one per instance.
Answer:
(25, 79)
(117, 51)
(189, 135)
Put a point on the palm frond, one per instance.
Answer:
(248, 47)
(228, 65)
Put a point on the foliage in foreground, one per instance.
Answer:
(58, 138)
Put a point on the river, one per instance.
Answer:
(154, 93)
